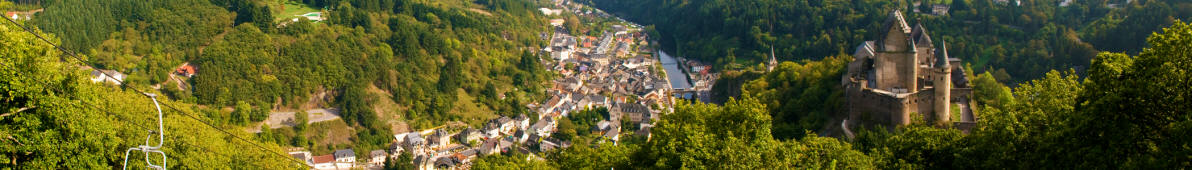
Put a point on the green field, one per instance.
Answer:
(289, 10)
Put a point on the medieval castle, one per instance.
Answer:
(903, 73)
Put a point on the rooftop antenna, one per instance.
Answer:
(146, 148)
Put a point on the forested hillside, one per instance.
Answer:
(406, 48)
(52, 116)
(429, 62)
(1016, 41)
(1131, 112)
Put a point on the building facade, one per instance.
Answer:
(902, 73)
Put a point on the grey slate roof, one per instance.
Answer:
(344, 153)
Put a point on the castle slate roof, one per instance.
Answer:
(894, 21)
(919, 34)
(941, 60)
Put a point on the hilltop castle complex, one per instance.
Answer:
(903, 73)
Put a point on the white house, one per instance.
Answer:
(522, 121)
(324, 162)
(110, 76)
(377, 157)
(548, 11)
(490, 147)
(557, 22)
(507, 125)
(521, 136)
(613, 134)
(468, 135)
(543, 127)
(440, 138)
(492, 130)
(414, 143)
(345, 158)
(561, 54)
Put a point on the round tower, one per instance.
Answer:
(942, 82)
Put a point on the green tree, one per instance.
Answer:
(261, 112)
(572, 23)
(566, 130)
(404, 161)
(988, 91)
(451, 76)
(512, 161)
(300, 119)
(232, 68)
(242, 114)
(1147, 99)
(800, 96)
(599, 156)
(737, 135)
(357, 106)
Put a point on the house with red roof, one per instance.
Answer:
(22, 15)
(186, 70)
(324, 161)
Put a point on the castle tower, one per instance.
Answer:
(896, 63)
(942, 82)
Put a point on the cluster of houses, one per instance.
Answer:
(596, 72)
(615, 71)
(115, 77)
(702, 79)
(340, 159)
(442, 149)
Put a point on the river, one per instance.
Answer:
(678, 79)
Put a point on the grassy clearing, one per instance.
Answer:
(388, 111)
(470, 112)
(287, 10)
(329, 134)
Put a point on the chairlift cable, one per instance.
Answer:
(84, 62)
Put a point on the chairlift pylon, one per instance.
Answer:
(147, 148)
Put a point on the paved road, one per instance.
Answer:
(966, 114)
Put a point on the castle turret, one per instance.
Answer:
(942, 82)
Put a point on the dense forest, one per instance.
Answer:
(1130, 112)
(52, 116)
(384, 64)
(1015, 41)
